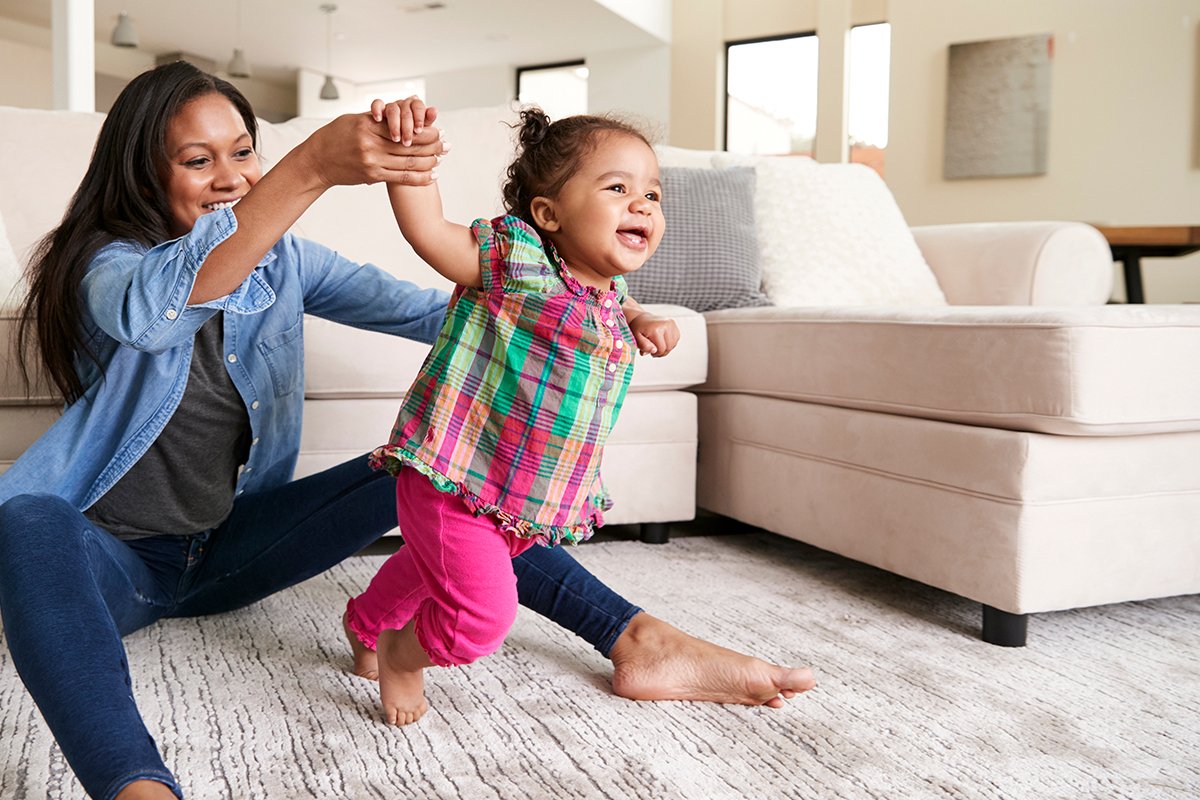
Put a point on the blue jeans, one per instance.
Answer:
(69, 591)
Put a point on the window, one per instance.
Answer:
(771, 95)
(560, 89)
(870, 59)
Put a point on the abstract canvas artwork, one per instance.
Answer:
(998, 107)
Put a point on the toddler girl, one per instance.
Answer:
(498, 443)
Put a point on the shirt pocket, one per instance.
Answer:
(284, 354)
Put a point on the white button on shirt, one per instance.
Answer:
(254, 405)
(171, 313)
(610, 322)
(232, 358)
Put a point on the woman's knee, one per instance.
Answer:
(32, 521)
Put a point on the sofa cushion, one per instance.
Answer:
(11, 283)
(832, 235)
(708, 257)
(1104, 370)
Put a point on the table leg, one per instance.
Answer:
(1133, 278)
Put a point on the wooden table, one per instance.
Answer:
(1130, 244)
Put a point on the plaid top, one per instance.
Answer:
(513, 405)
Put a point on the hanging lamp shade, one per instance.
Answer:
(239, 67)
(329, 89)
(124, 35)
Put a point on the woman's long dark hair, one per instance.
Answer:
(121, 196)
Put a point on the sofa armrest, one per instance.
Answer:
(1019, 263)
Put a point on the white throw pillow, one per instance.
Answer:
(12, 285)
(832, 235)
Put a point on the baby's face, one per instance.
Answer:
(608, 216)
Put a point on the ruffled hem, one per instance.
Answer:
(393, 457)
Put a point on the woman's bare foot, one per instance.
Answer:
(146, 790)
(366, 663)
(653, 660)
(402, 665)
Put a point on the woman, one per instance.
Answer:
(170, 320)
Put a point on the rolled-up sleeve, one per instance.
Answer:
(139, 295)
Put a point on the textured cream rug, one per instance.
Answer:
(1103, 703)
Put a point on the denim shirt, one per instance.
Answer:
(138, 323)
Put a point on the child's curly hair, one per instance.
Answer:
(548, 153)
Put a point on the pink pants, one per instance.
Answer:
(453, 576)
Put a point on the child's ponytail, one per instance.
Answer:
(548, 153)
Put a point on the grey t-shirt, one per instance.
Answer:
(185, 482)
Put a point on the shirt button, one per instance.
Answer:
(171, 313)
(248, 469)
(232, 358)
(254, 442)
(608, 303)
(620, 343)
(612, 367)
(254, 405)
(610, 322)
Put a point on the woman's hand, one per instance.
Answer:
(359, 148)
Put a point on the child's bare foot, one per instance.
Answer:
(366, 663)
(653, 660)
(402, 665)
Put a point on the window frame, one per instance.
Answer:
(579, 62)
(725, 69)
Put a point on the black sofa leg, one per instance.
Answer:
(655, 532)
(1004, 629)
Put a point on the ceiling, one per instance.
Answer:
(374, 40)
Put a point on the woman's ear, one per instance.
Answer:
(544, 214)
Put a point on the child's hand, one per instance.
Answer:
(654, 335)
(404, 117)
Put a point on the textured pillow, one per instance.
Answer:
(708, 257)
(832, 235)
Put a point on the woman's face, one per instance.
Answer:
(210, 160)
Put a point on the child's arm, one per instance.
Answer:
(654, 334)
(446, 246)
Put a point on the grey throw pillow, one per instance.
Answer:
(708, 257)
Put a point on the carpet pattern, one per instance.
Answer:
(1103, 703)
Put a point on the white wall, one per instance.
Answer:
(634, 82)
(1124, 127)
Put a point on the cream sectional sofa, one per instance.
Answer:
(354, 379)
(1026, 446)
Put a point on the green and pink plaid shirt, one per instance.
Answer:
(513, 405)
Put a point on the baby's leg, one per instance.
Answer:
(470, 597)
(402, 665)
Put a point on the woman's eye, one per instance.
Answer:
(246, 153)
(196, 162)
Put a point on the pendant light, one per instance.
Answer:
(124, 35)
(239, 67)
(329, 89)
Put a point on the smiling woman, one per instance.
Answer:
(211, 162)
